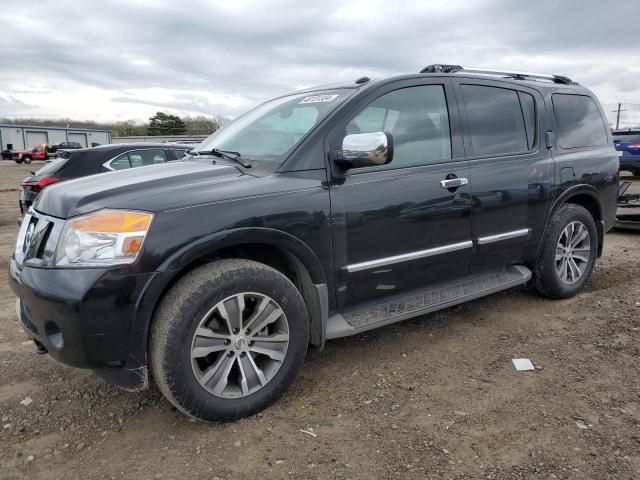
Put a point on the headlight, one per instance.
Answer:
(106, 237)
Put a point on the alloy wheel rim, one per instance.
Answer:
(239, 345)
(572, 252)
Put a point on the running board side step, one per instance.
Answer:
(425, 301)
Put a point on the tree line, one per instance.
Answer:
(160, 124)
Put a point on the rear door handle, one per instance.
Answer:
(453, 182)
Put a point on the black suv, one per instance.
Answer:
(317, 215)
(64, 146)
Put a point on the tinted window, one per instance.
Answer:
(418, 119)
(529, 114)
(495, 120)
(179, 153)
(52, 167)
(578, 121)
(120, 162)
(373, 119)
(138, 158)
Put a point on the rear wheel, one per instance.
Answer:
(568, 253)
(228, 339)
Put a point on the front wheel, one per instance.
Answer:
(228, 339)
(27, 160)
(18, 160)
(568, 253)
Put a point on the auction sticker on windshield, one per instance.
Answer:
(319, 98)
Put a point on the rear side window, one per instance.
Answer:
(180, 153)
(121, 162)
(142, 158)
(138, 158)
(496, 120)
(53, 167)
(529, 114)
(578, 121)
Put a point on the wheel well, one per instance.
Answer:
(593, 207)
(588, 202)
(279, 259)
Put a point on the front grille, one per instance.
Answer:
(37, 238)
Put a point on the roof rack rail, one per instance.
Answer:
(441, 68)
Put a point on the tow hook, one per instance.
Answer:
(40, 348)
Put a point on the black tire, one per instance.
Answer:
(27, 160)
(18, 160)
(546, 278)
(179, 315)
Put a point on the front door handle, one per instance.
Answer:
(453, 182)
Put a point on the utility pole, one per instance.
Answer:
(618, 115)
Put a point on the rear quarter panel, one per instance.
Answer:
(587, 169)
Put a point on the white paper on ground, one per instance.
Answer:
(522, 364)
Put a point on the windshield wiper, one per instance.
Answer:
(228, 154)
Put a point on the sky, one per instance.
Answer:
(109, 60)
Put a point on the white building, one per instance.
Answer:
(21, 137)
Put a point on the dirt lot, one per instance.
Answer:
(435, 397)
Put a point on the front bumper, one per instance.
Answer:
(89, 318)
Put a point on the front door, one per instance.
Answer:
(397, 228)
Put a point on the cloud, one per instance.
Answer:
(115, 59)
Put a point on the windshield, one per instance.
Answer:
(271, 130)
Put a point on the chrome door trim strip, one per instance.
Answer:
(504, 236)
(381, 262)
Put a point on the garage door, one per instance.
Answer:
(81, 138)
(36, 138)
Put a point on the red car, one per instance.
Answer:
(38, 152)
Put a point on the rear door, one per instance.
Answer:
(395, 228)
(512, 171)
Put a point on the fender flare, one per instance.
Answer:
(191, 252)
(582, 189)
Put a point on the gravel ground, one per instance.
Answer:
(434, 397)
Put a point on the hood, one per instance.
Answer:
(153, 188)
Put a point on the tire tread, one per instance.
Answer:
(185, 294)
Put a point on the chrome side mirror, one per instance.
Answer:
(365, 150)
